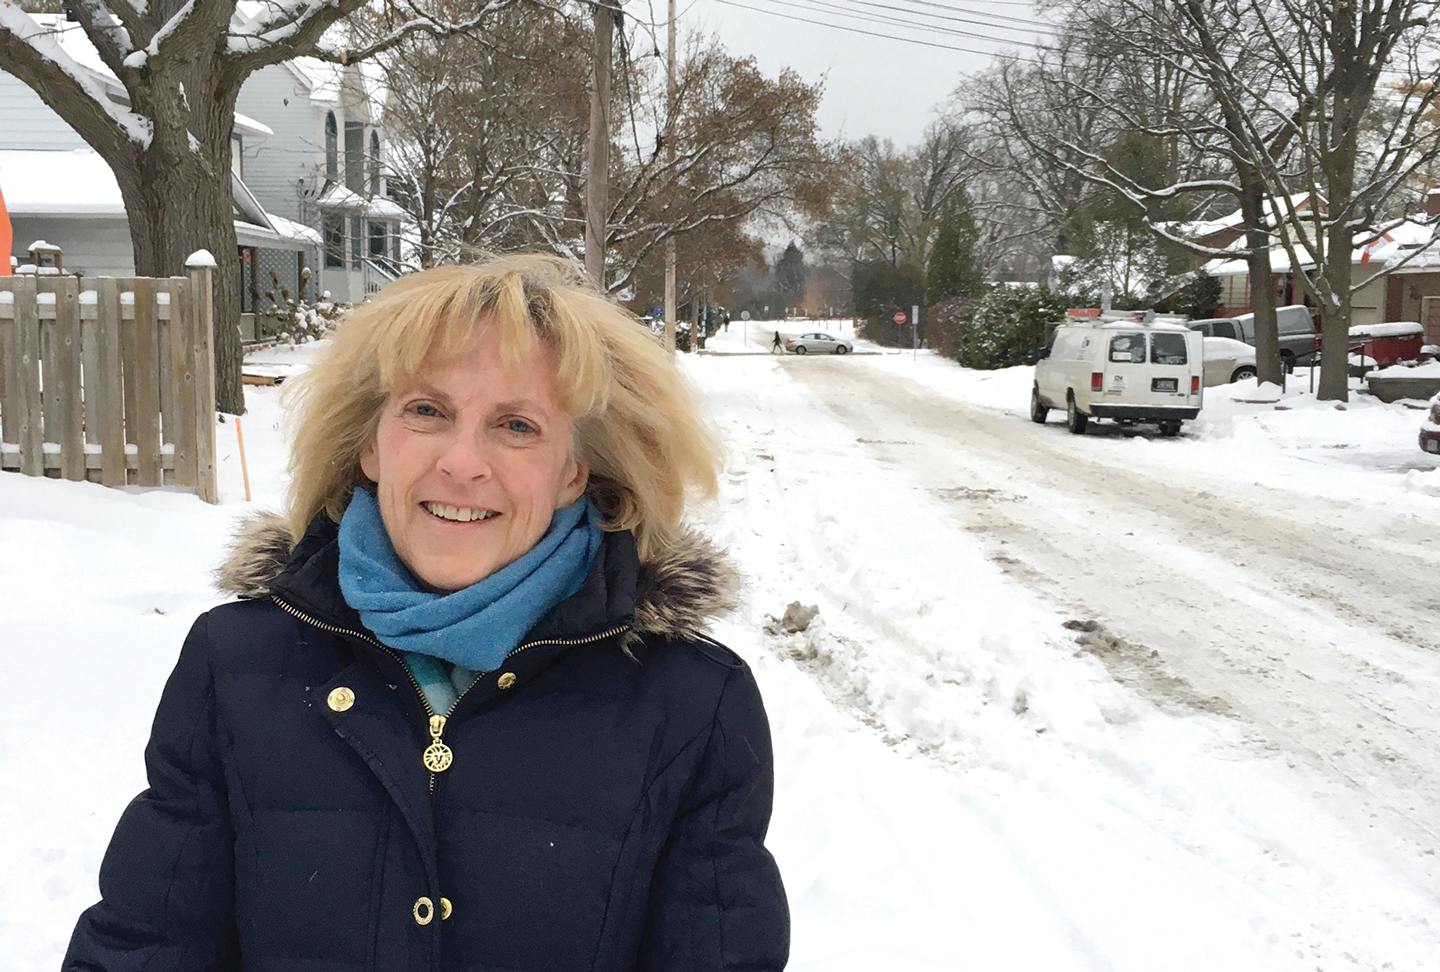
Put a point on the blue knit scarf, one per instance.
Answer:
(474, 628)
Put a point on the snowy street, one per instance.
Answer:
(1226, 761)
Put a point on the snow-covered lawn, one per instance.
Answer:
(957, 786)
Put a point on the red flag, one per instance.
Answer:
(7, 237)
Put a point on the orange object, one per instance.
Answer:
(244, 466)
(7, 238)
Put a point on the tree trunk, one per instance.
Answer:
(1268, 366)
(1335, 315)
(178, 198)
(173, 212)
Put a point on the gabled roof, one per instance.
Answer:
(325, 80)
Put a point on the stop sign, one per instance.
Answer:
(899, 317)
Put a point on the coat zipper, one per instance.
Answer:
(437, 756)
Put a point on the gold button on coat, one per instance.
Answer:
(506, 680)
(340, 699)
(445, 909)
(424, 910)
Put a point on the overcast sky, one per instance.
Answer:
(873, 85)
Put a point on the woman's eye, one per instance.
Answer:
(519, 425)
(425, 410)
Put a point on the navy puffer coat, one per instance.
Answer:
(603, 811)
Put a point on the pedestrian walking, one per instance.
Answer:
(463, 714)
(775, 345)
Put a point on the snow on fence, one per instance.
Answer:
(113, 384)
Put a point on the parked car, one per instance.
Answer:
(1297, 332)
(1120, 370)
(818, 343)
(1430, 428)
(1227, 360)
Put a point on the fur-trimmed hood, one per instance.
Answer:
(676, 596)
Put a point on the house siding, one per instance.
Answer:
(29, 124)
(92, 246)
(284, 170)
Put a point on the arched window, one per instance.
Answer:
(374, 163)
(332, 148)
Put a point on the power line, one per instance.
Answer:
(894, 21)
(867, 33)
(1023, 21)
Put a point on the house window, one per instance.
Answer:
(332, 148)
(354, 242)
(377, 240)
(334, 233)
(355, 157)
(374, 163)
(395, 244)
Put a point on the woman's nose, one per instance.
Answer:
(465, 458)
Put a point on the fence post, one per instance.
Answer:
(27, 375)
(202, 319)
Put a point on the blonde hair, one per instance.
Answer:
(636, 420)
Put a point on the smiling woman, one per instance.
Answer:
(464, 714)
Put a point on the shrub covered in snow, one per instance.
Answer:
(1008, 324)
(297, 318)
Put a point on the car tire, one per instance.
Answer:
(799, 349)
(1243, 372)
(1287, 361)
(841, 349)
(1075, 420)
(1038, 411)
(1169, 429)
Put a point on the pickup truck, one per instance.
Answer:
(1297, 332)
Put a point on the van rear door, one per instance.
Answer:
(1149, 368)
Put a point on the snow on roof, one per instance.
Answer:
(290, 229)
(248, 125)
(383, 207)
(73, 41)
(77, 183)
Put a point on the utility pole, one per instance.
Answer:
(597, 178)
(671, 311)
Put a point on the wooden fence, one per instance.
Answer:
(114, 383)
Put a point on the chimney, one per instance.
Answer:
(1432, 202)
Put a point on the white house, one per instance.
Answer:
(323, 166)
(307, 182)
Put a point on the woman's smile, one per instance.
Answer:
(458, 514)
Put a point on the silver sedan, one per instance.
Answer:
(818, 343)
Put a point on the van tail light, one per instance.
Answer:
(1097, 380)
(1194, 384)
(1317, 342)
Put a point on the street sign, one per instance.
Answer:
(744, 315)
(899, 317)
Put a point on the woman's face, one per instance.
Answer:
(470, 460)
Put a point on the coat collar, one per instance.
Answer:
(675, 596)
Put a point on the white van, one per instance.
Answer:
(1121, 370)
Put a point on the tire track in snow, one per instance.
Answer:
(1318, 641)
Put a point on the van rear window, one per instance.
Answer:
(1128, 347)
(1167, 349)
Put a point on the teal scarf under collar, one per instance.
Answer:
(474, 628)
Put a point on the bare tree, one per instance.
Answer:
(1358, 139)
(1308, 139)
(182, 63)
